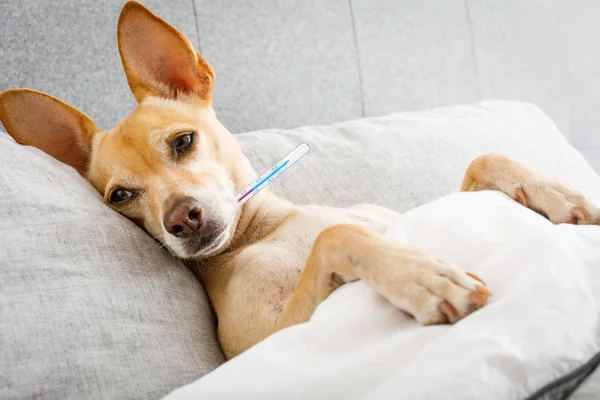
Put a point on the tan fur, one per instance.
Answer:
(272, 262)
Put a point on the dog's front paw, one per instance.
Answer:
(557, 201)
(434, 291)
(548, 196)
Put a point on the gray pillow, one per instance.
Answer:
(404, 160)
(90, 306)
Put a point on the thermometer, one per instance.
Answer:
(262, 181)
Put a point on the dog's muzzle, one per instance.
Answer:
(195, 225)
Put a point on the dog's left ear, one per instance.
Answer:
(158, 60)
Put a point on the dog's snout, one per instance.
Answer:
(184, 218)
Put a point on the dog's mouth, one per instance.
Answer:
(203, 246)
(200, 245)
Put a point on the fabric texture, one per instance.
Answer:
(90, 306)
(283, 64)
(564, 386)
(290, 63)
(541, 324)
(590, 388)
(404, 160)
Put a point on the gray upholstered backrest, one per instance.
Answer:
(286, 63)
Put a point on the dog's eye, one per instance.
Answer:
(121, 196)
(183, 143)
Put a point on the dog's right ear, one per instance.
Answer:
(36, 119)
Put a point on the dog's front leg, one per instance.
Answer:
(433, 291)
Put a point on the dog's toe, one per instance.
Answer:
(457, 294)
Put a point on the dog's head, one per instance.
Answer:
(170, 165)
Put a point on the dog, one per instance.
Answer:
(174, 169)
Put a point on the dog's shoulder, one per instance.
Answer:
(371, 216)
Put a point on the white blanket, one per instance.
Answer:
(541, 323)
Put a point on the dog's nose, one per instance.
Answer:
(184, 218)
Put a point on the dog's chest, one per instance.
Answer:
(273, 266)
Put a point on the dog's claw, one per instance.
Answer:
(581, 216)
(478, 299)
(475, 277)
(483, 290)
(447, 309)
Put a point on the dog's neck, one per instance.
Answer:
(260, 216)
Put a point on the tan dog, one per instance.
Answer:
(173, 168)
